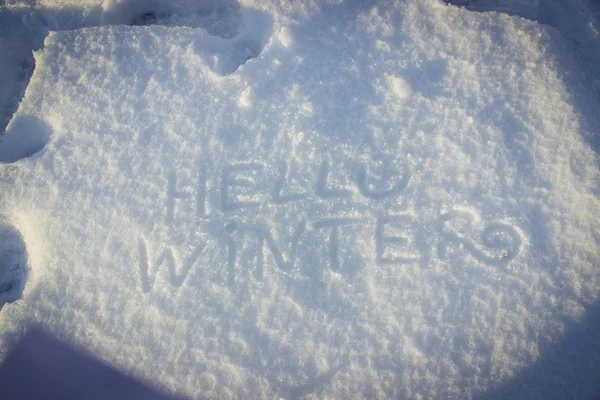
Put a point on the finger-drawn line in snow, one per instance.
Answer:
(178, 271)
(324, 189)
(266, 242)
(385, 242)
(277, 196)
(367, 189)
(173, 194)
(13, 263)
(238, 184)
(334, 237)
(500, 242)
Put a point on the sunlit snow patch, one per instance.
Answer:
(395, 202)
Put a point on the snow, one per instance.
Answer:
(399, 87)
(302, 199)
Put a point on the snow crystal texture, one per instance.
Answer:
(346, 201)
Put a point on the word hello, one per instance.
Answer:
(238, 188)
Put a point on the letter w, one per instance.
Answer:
(170, 258)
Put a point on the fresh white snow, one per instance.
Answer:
(301, 199)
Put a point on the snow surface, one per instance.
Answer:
(302, 199)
